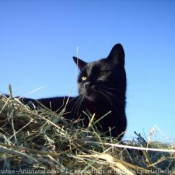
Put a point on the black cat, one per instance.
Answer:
(102, 90)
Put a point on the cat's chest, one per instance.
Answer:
(99, 109)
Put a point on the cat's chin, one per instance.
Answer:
(93, 97)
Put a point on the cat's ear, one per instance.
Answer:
(80, 63)
(117, 55)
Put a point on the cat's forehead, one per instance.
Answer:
(90, 67)
(100, 64)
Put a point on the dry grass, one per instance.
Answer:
(41, 141)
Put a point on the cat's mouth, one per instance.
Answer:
(91, 92)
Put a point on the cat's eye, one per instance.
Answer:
(83, 78)
(103, 72)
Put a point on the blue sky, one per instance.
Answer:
(38, 39)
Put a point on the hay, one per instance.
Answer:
(41, 141)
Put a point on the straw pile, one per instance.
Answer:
(43, 142)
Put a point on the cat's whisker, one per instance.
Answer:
(114, 106)
(112, 89)
(106, 97)
(77, 104)
(109, 96)
(112, 92)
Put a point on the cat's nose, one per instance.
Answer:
(87, 85)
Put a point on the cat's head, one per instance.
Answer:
(103, 79)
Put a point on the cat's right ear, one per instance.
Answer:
(80, 63)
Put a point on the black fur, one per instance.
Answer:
(102, 89)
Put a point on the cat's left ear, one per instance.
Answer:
(80, 63)
(117, 55)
